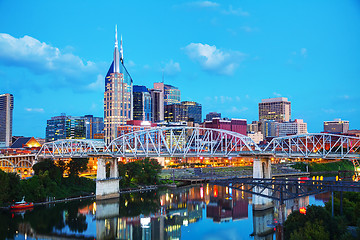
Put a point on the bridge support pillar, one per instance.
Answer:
(262, 169)
(107, 187)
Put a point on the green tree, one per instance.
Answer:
(311, 231)
(76, 166)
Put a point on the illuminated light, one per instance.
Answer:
(227, 190)
(302, 210)
(215, 191)
(201, 192)
(317, 178)
(321, 178)
(145, 222)
(185, 222)
(337, 178)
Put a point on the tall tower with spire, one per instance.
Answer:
(118, 96)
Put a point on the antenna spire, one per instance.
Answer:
(121, 50)
(116, 41)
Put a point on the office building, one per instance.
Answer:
(118, 98)
(269, 128)
(157, 105)
(65, 127)
(253, 127)
(234, 125)
(336, 126)
(194, 111)
(277, 109)
(6, 119)
(176, 113)
(141, 103)
(211, 115)
(295, 127)
(171, 93)
(93, 126)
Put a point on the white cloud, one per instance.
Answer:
(204, 4)
(131, 63)
(214, 60)
(171, 68)
(42, 58)
(276, 94)
(98, 84)
(248, 29)
(303, 52)
(39, 110)
(238, 110)
(237, 12)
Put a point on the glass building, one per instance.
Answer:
(118, 96)
(171, 94)
(176, 113)
(141, 103)
(194, 111)
(93, 125)
(65, 127)
(157, 105)
(6, 118)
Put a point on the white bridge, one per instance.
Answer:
(196, 142)
(207, 142)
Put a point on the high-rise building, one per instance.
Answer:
(157, 105)
(65, 127)
(211, 115)
(6, 118)
(171, 93)
(269, 128)
(295, 127)
(141, 103)
(93, 125)
(336, 126)
(194, 111)
(118, 98)
(176, 113)
(278, 109)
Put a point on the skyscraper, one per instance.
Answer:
(141, 103)
(171, 94)
(65, 127)
(278, 109)
(176, 113)
(118, 96)
(157, 105)
(93, 125)
(194, 111)
(6, 117)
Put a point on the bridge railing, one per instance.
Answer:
(183, 142)
(318, 145)
(68, 148)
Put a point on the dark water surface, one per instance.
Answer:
(200, 212)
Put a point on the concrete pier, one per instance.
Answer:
(107, 187)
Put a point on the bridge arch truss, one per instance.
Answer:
(315, 145)
(69, 148)
(182, 142)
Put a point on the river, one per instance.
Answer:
(197, 212)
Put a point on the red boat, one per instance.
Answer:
(22, 205)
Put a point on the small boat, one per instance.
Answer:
(22, 205)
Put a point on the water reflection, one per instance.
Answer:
(202, 212)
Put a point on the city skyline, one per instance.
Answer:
(225, 56)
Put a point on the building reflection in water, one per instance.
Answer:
(163, 214)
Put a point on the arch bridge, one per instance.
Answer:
(195, 142)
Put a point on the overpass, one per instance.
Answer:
(196, 142)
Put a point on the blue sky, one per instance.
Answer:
(225, 55)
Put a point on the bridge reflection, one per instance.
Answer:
(160, 215)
